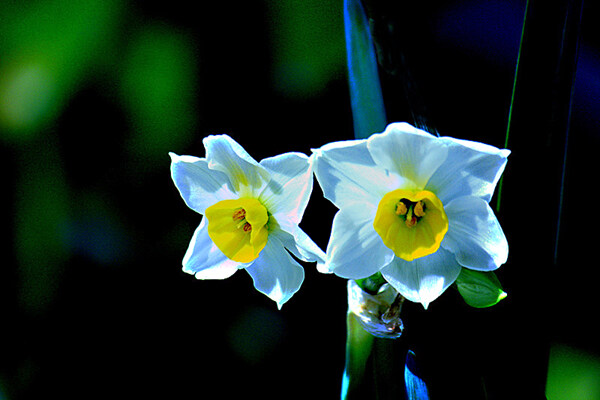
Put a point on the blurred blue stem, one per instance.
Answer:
(366, 98)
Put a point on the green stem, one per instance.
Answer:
(359, 344)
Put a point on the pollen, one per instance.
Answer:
(401, 208)
(239, 214)
(420, 209)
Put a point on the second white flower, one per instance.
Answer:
(413, 207)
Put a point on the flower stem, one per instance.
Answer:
(359, 344)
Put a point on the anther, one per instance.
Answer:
(239, 214)
(401, 208)
(419, 209)
(247, 227)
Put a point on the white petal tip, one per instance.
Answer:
(177, 158)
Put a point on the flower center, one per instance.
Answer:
(239, 228)
(411, 211)
(411, 223)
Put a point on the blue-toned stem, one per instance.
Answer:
(394, 29)
(416, 388)
(368, 111)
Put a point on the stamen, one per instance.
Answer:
(239, 214)
(401, 208)
(419, 209)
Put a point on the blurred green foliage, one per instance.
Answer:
(573, 374)
(308, 45)
(158, 88)
(47, 49)
(93, 96)
(42, 207)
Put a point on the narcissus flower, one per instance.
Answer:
(251, 215)
(414, 207)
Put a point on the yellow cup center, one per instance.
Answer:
(239, 228)
(411, 223)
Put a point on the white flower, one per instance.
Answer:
(413, 207)
(251, 215)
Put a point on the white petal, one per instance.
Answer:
(275, 273)
(423, 280)
(471, 169)
(224, 154)
(355, 250)
(347, 174)
(474, 234)
(300, 245)
(287, 193)
(204, 260)
(409, 152)
(199, 186)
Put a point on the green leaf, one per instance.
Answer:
(479, 289)
(366, 98)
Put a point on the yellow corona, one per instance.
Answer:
(238, 228)
(411, 223)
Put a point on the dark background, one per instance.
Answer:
(93, 96)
